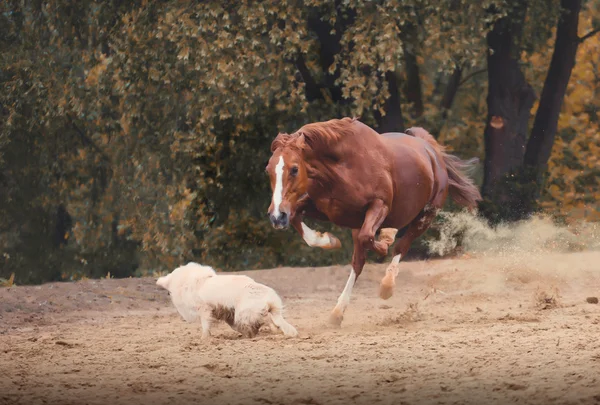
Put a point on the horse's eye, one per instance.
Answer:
(294, 171)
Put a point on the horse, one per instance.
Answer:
(343, 172)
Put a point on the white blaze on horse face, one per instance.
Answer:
(314, 239)
(278, 192)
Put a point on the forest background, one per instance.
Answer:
(134, 134)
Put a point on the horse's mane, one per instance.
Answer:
(318, 135)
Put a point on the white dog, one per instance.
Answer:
(197, 291)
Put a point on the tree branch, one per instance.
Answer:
(87, 141)
(589, 34)
(469, 76)
(451, 89)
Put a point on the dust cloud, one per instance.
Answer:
(535, 236)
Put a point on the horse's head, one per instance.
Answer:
(289, 179)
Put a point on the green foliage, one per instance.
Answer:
(245, 242)
(150, 122)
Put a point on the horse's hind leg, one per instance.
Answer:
(388, 236)
(415, 229)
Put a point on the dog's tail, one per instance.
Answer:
(276, 314)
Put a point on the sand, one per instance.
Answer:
(476, 329)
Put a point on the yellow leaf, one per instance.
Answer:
(184, 54)
(9, 282)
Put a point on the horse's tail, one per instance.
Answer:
(462, 189)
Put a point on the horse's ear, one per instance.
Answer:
(280, 140)
(305, 141)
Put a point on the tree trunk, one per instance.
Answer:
(451, 90)
(513, 182)
(412, 85)
(392, 120)
(62, 227)
(539, 146)
(509, 100)
(312, 89)
(330, 46)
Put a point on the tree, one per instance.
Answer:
(145, 127)
(539, 145)
(134, 135)
(515, 163)
(573, 184)
(509, 101)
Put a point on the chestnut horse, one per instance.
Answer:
(344, 172)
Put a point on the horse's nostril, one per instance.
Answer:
(283, 220)
(279, 220)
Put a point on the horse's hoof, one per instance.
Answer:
(388, 236)
(336, 318)
(386, 291)
(334, 243)
(334, 322)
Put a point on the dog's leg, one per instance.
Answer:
(269, 321)
(205, 320)
(282, 324)
(248, 330)
(248, 321)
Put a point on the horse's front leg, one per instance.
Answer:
(358, 262)
(364, 238)
(313, 238)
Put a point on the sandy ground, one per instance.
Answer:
(475, 330)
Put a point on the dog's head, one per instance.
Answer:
(163, 281)
(190, 271)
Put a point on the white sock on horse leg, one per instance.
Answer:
(344, 298)
(314, 238)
